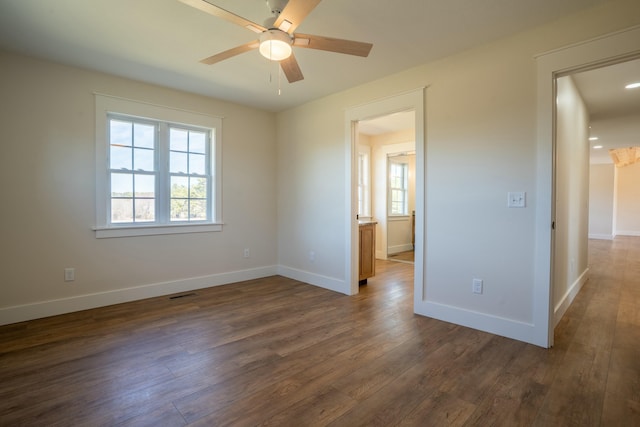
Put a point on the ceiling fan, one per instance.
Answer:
(277, 36)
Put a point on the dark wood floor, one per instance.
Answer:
(279, 352)
(406, 256)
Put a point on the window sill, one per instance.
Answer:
(152, 230)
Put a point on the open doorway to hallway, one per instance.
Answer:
(597, 169)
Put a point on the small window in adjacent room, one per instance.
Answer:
(157, 170)
(398, 188)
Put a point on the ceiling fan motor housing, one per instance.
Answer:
(276, 6)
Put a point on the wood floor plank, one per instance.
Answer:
(276, 351)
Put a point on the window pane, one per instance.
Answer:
(153, 182)
(198, 209)
(179, 187)
(120, 132)
(121, 210)
(145, 186)
(145, 210)
(197, 142)
(121, 185)
(143, 135)
(178, 162)
(198, 189)
(120, 157)
(197, 164)
(178, 139)
(143, 159)
(179, 210)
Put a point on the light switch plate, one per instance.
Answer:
(516, 199)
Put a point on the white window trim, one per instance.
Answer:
(365, 176)
(405, 189)
(106, 104)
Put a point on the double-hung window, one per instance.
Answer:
(158, 169)
(398, 188)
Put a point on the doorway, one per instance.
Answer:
(595, 115)
(400, 206)
(614, 48)
(386, 182)
(411, 103)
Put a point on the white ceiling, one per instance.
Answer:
(614, 111)
(161, 41)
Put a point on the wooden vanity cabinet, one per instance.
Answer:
(367, 258)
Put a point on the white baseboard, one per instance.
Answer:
(509, 328)
(37, 310)
(399, 248)
(330, 283)
(627, 233)
(601, 236)
(569, 296)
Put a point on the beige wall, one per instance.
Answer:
(481, 143)
(628, 201)
(614, 201)
(389, 233)
(602, 185)
(572, 198)
(47, 166)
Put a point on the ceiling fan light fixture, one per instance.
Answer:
(275, 45)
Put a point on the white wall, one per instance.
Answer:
(572, 195)
(481, 143)
(382, 146)
(47, 166)
(399, 227)
(628, 200)
(602, 184)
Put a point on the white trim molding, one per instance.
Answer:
(568, 297)
(481, 321)
(602, 236)
(326, 282)
(20, 313)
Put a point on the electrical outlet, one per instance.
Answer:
(69, 274)
(477, 286)
(246, 253)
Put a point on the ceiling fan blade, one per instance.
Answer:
(231, 52)
(291, 69)
(224, 14)
(294, 13)
(347, 47)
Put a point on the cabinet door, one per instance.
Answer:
(367, 251)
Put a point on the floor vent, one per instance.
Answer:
(183, 295)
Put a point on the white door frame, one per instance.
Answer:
(616, 47)
(413, 100)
